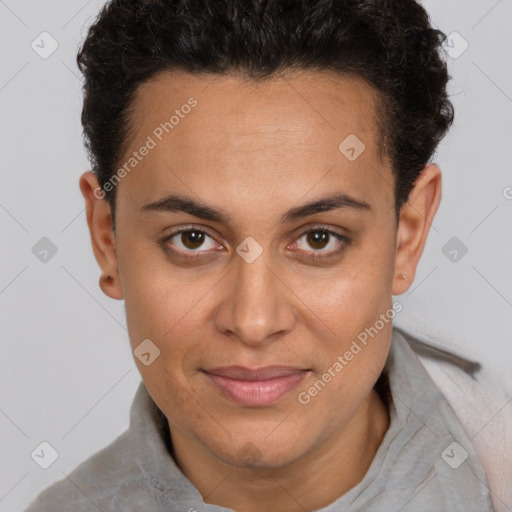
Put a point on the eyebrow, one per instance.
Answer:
(177, 203)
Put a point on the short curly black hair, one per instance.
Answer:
(388, 43)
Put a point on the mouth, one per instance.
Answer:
(258, 387)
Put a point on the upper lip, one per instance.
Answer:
(263, 373)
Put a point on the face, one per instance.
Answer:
(248, 239)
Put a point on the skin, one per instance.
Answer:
(255, 151)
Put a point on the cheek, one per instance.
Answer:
(355, 304)
(169, 320)
(172, 395)
(161, 316)
(160, 298)
(170, 307)
(353, 295)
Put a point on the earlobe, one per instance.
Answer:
(414, 224)
(109, 286)
(99, 221)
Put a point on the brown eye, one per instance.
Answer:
(318, 239)
(321, 242)
(192, 239)
(189, 241)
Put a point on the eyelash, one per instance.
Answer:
(191, 255)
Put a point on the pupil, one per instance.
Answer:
(192, 239)
(318, 239)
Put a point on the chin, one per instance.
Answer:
(261, 455)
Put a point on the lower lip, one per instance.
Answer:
(256, 392)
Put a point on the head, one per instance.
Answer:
(261, 185)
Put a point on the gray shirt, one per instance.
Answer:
(424, 463)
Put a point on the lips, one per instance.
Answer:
(255, 387)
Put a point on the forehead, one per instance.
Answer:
(272, 134)
(317, 101)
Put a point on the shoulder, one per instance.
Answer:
(94, 483)
(483, 409)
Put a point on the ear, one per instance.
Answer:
(99, 220)
(414, 224)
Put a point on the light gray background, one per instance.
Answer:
(66, 371)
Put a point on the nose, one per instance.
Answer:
(256, 306)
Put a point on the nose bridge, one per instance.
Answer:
(257, 306)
